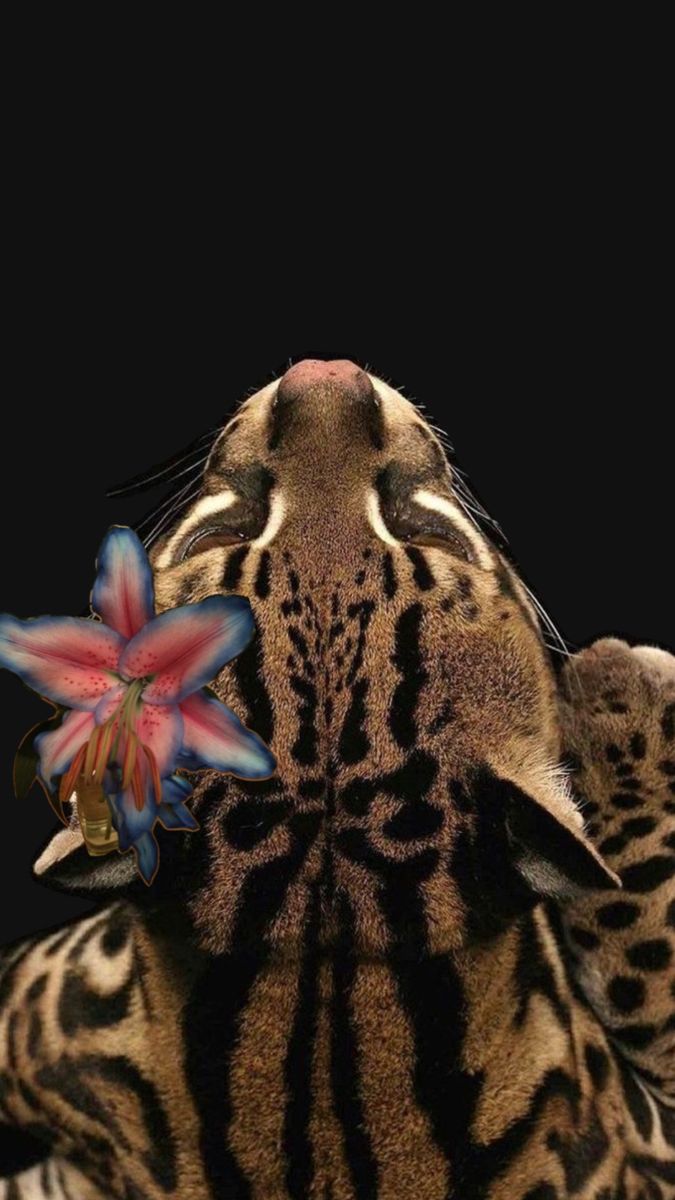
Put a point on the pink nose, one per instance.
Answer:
(340, 372)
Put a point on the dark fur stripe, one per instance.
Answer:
(233, 567)
(261, 585)
(345, 1067)
(80, 1007)
(248, 673)
(211, 1018)
(389, 580)
(297, 1144)
(422, 573)
(160, 1158)
(407, 658)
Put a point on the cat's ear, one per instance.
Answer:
(546, 837)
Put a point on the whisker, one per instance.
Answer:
(174, 505)
(165, 470)
(548, 626)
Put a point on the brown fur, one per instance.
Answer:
(360, 979)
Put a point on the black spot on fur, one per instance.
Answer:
(597, 1061)
(233, 567)
(638, 827)
(311, 789)
(626, 993)
(336, 630)
(648, 875)
(422, 573)
(407, 658)
(354, 741)
(81, 1008)
(654, 954)
(117, 933)
(36, 989)
(261, 584)
(638, 1037)
(251, 821)
(300, 642)
(389, 575)
(638, 745)
(363, 610)
(584, 937)
(416, 820)
(305, 746)
(613, 845)
(249, 675)
(356, 797)
(668, 722)
(626, 800)
(619, 915)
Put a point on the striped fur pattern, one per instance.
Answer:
(389, 971)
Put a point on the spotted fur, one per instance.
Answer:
(403, 967)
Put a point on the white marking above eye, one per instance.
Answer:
(454, 513)
(375, 518)
(206, 507)
(274, 521)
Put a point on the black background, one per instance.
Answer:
(558, 424)
(489, 237)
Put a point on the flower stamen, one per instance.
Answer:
(129, 760)
(154, 770)
(67, 785)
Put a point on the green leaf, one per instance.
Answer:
(26, 758)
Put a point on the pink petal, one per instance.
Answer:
(214, 737)
(58, 748)
(185, 648)
(160, 727)
(71, 660)
(123, 593)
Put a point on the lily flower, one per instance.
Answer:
(134, 685)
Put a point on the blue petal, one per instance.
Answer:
(123, 593)
(176, 816)
(147, 856)
(214, 737)
(175, 789)
(129, 822)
